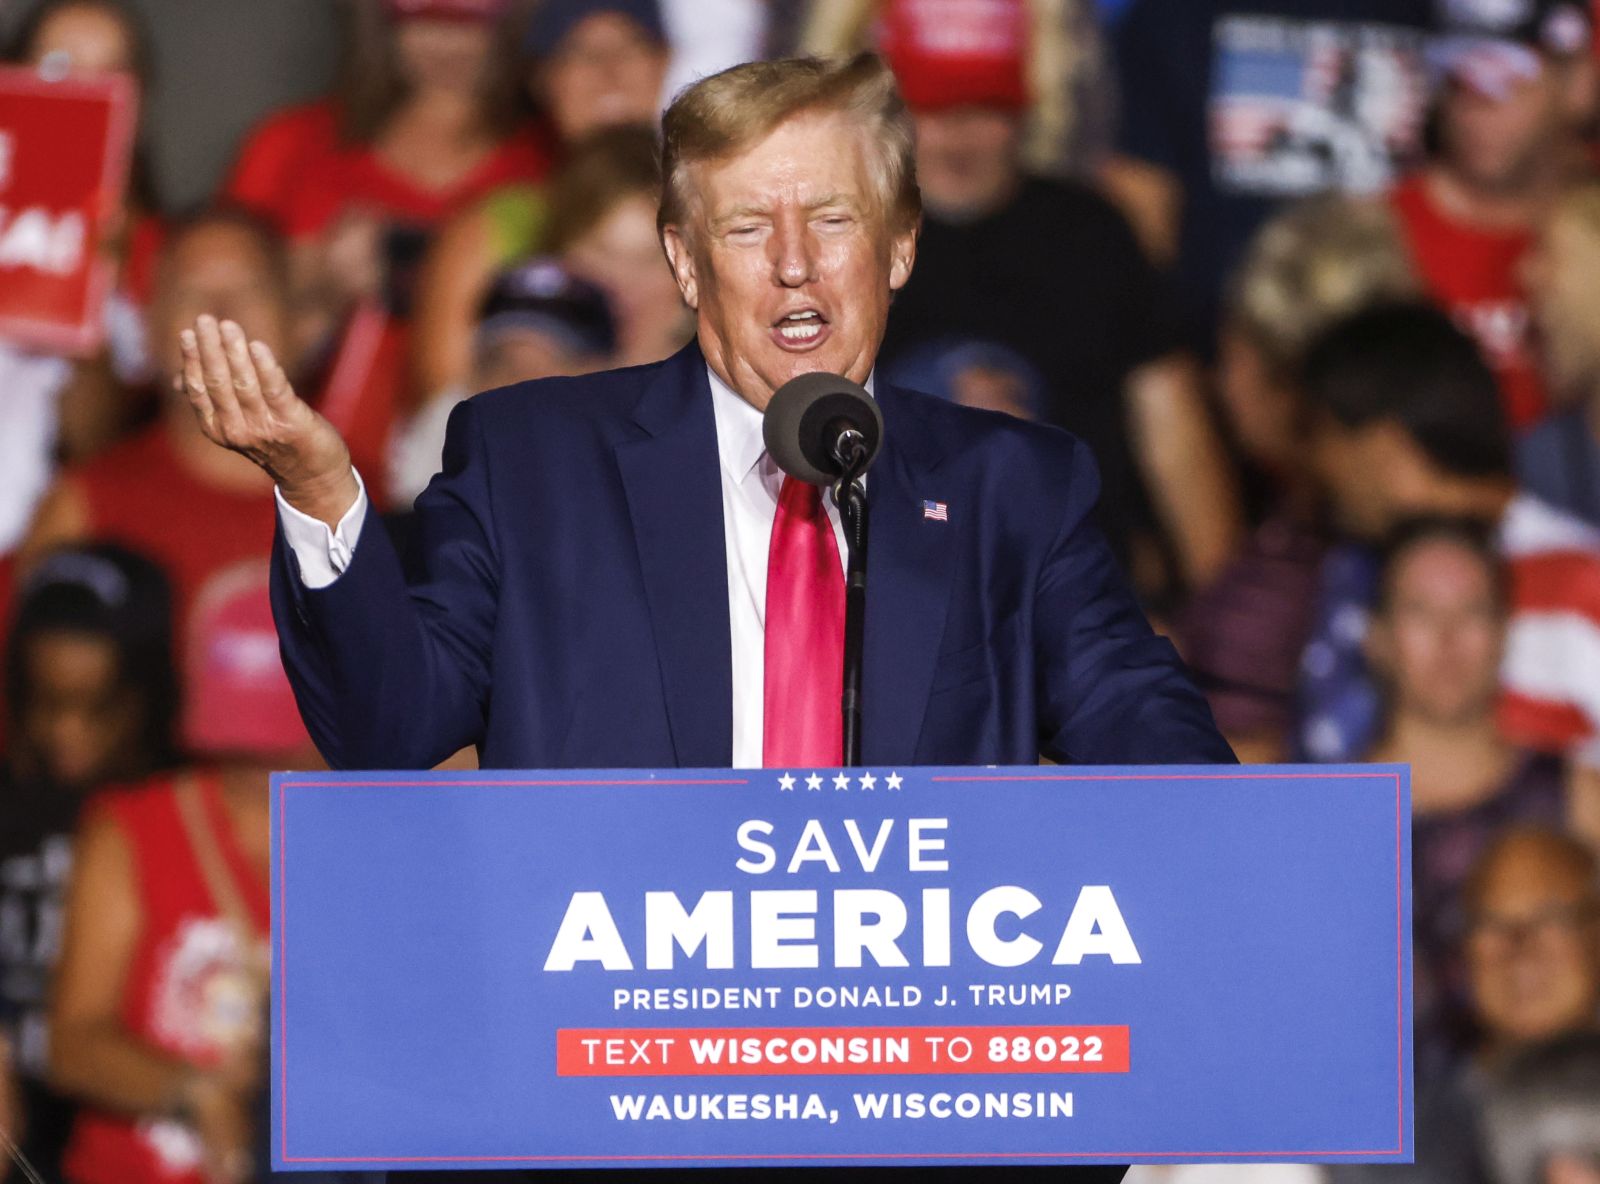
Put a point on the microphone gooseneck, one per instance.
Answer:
(850, 450)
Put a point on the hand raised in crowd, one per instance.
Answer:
(219, 1111)
(216, 1102)
(245, 403)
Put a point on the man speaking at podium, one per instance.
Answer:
(615, 573)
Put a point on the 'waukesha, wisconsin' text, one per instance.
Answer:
(780, 925)
(739, 1107)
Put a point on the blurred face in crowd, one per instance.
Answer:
(606, 72)
(1561, 275)
(1533, 948)
(443, 55)
(1438, 634)
(524, 353)
(1571, 1169)
(225, 271)
(1362, 470)
(993, 388)
(79, 722)
(621, 255)
(789, 260)
(83, 41)
(1262, 412)
(1373, 476)
(1502, 143)
(967, 162)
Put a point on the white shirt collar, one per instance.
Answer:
(739, 442)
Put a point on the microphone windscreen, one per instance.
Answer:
(804, 418)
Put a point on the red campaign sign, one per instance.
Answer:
(65, 149)
(763, 1052)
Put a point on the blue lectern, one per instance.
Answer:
(823, 966)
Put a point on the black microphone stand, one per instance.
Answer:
(850, 495)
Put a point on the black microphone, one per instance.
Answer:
(822, 427)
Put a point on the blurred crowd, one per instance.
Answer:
(1318, 281)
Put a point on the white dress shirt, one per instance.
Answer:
(750, 486)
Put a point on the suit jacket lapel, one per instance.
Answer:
(674, 493)
(909, 566)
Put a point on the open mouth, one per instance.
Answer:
(800, 329)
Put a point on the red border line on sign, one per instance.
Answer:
(1178, 777)
(1399, 973)
(282, 918)
(819, 1157)
(986, 1156)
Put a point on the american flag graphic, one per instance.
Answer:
(1301, 106)
(936, 511)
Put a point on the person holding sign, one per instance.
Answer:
(614, 571)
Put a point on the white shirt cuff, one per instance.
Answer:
(323, 554)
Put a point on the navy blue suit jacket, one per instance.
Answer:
(573, 605)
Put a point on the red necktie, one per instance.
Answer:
(802, 723)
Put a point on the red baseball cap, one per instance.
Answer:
(449, 10)
(237, 699)
(957, 53)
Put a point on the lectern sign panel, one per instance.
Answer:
(816, 966)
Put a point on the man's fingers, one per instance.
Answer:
(241, 370)
(218, 377)
(275, 386)
(194, 379)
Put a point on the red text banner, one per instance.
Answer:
(801, 1052)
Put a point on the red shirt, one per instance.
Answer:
(189, 988)
(141, 496)
(145, 240)
(279, 154)
(1472, 272)
(357, 177)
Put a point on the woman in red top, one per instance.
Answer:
(430, 112)
(157, 1016)
(430, 115)
(156, 1020)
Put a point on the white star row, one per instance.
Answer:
(842, 781)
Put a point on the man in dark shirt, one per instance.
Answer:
(1051, 270)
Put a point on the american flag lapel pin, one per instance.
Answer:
(935, 511)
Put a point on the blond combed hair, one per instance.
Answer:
(1313, 264)
(719, 116)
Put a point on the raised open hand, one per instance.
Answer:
(245, 403)
(220, 1115)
